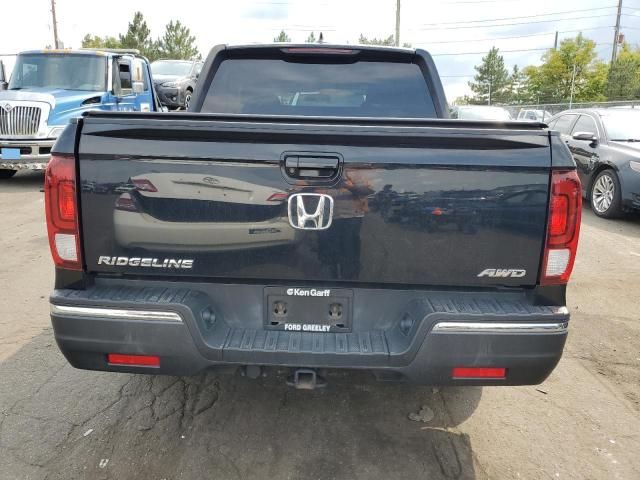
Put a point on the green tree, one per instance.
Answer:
(389, 41)
(576, 63)
(311, 38)
(90, 41)
(177, 43)
(516, 86)
(138, 35)
(623, 82)
(282, 37)
(491, 83)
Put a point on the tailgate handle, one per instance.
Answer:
(311, 167)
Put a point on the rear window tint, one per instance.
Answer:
(276, 87)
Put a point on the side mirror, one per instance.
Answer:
(585, 136)
(124, 83)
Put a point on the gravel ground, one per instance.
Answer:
(60, 423)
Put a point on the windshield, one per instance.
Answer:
(59, 71)
(278, 87)
(622, 125)
(178, 69)
(484, 113)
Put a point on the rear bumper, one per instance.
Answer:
(190, 333)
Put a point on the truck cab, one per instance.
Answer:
(49, 87)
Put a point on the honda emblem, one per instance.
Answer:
(310, 211)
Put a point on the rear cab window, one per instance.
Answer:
(265, 86)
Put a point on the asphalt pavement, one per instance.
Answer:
(57, 422)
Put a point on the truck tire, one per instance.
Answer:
(7, 173)
(187, 99)
(605, 195)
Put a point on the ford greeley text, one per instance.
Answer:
(306, 292)
(145, 262)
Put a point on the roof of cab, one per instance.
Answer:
(83, 51)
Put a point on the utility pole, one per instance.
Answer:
(573, 84)
(616, 36)
(56, 43)
(555, 42)
(398, 23)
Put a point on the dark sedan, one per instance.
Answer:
(175, 81)
(605, 144)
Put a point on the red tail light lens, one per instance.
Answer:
(61, 209)
(322, 51)
(565, 210)
(144, 185)
(127, 203)
(278, 197)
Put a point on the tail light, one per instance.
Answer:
(563, 228)
(278, 197)
(61, 208)
(127, 203)
(144, 185)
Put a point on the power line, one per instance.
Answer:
(489, 39)
(484, 52)
(511, 24)
(520, 17)
(504, 51)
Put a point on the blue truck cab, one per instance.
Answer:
(49, 87)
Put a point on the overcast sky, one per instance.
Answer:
(26, 24)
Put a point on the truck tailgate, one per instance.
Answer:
(416, 202)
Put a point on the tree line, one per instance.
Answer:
(176, 43)
(572, 71)
(389, 41)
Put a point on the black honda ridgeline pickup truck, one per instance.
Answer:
(314, 209)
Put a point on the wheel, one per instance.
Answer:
(7, 173)
(605, 195)
(187, 99)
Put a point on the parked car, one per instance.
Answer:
(481, 112)
(605, 144)
(3, 77)
(534, 115)
(49, 87)
(474, 297)
(175, 81)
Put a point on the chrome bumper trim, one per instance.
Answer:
(115, 313)
(500, 327)
(23, 166)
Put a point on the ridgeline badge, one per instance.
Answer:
(177, 263)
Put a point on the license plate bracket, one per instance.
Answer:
(308, 310)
